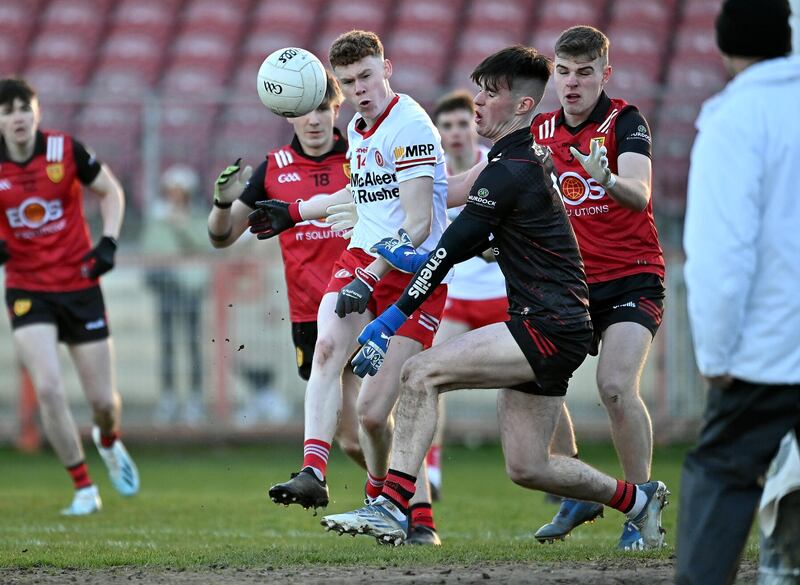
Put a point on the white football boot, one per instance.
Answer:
(121, 468)
(86, 501)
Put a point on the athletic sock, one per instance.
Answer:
(315, 456)
(433, 460)
(374, 485)
(107, 441)
(422, 515)
(399, 488)
(626, 497)
(80, 475)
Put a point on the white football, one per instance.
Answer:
(291, 82)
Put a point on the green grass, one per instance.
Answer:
(207, 507)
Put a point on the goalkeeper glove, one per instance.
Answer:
(400, 252)
(272, 217)
(596, 163)
(375, 339)
(230, 184)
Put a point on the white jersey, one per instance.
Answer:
(402, 145)
(475, 279)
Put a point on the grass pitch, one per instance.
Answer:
(207, 508)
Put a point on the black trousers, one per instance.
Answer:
(720, 488)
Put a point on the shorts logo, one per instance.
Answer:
(343, 273)
(299, 355)
(22, 306)
(630, 304)
(96, 324)
(55, 172)
(379, 158)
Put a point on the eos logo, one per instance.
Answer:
(288, 178)
(275, 88)
(34, 212)
(575, 189)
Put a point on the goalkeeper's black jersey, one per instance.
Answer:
(515, 208)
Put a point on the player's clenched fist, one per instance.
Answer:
(354, 297)
(596, 163)
(272, 217)
(99, 259)
(375, 339)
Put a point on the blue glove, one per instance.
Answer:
(375, 341)
(400, 252)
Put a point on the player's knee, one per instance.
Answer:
(525, 473)
(50, 392)
(351, 448)
(371, 421)
(102, 406)
(417, 374)
(324, 352)
(613, 393)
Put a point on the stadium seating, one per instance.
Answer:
(195, 52)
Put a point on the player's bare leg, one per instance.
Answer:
(622, 357)
(527, 423)
(447, 330)
(37, 347)
(94, 362)
(336, 342)
(347, 433)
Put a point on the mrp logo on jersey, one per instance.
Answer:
(34, 212)
(413, 151)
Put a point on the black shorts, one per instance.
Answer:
(304, 336)
(554, 353)
(79, 315)
(638, 298)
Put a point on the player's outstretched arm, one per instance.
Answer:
(227, 219)
(272, 217)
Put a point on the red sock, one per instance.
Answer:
(399, 488)
(374, 485)
(624, 497)
(80, 475)
(315, 454)
(107, 441)
(422, 515)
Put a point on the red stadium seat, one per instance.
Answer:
(202, 48)
(693, 42)
(701, 13)
(193, 80)
(658, 15)
(511, 17)
(154, 17)
(345, 15)
(282, 15)
(560, 15)
(212, 15)
(123, 81)
(440, 16)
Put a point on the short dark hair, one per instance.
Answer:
(333, 93)
(353, 46)
(582, 40)
(460, 99)
(509, 66)
(12, 88)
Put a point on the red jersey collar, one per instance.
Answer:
(598, 114)
(381, 118)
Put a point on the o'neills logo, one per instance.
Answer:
(422, 282)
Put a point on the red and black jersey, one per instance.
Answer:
(41, 214)
(614, 241)
(311, 248)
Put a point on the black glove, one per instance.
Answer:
(354, 297)
(273, 217)
(99, 259)
(4, 255)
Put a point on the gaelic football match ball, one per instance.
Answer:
(291, 82)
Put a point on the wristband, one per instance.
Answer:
(367, 277)
(393, 318)
(222, 205)
(294, 212)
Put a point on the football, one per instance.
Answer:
(291, 82)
